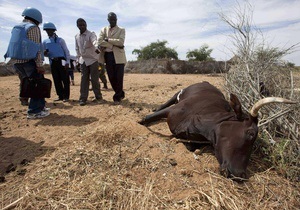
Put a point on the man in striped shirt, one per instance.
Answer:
(25, 50)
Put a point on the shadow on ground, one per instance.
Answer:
(16, 152)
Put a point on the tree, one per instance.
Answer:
(201, 54)
(155, 50)
(290, 64)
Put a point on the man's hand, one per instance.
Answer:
(66, 66)
(40, 70)
(46, 52)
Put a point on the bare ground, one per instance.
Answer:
(99, 157)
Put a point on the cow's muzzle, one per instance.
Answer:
(240, 177)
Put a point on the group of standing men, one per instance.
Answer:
(27, 51)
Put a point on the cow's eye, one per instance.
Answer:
(250, 134)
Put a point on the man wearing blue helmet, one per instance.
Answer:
(56, 50)
(25, 50)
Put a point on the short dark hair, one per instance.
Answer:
(112, 14)
(80, 20)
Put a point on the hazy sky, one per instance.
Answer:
(186, 25)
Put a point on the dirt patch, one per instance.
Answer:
(98, 157)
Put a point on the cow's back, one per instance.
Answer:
(201, 106)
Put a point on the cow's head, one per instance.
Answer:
(235, 137)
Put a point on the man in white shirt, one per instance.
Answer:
(85, 42)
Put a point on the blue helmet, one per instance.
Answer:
(49, 25)
(33, 13)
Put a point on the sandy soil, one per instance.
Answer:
(27, 145)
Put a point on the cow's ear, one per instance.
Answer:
(236, 106)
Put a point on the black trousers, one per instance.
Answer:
(61, 79)
(22, 99)
(102, 74)
(115, 73)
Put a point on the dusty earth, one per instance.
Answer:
(98, 157)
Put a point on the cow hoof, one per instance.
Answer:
(142, 122)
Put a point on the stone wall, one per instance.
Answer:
(153, 66)
(7, 69)
(165, 66)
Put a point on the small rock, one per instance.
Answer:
(195, 156)
(21, 172)
(173, 162)
(197, 152)
(185, 172)
(10, 167)
(24, 162)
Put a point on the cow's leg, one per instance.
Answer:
(170, 102)
(155, 116)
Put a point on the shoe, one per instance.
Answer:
(123, 96)
(117, 102)
(46, 109)
(38, 115)
(58, 99)
(82, 103)
(98, 100)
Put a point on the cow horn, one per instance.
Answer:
(265, 101)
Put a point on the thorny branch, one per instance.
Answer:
(258, 71)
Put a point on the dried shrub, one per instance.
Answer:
(257, 72)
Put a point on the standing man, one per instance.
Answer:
(56, 50)
(112, 53)
(25, 49)
(85, 42)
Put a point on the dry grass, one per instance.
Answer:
(100, 175)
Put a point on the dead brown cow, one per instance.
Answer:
(201, 113)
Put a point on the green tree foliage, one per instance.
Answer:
(290, 64)
(201, 54)
(265, 57)
(156, 50)
(268, 55)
